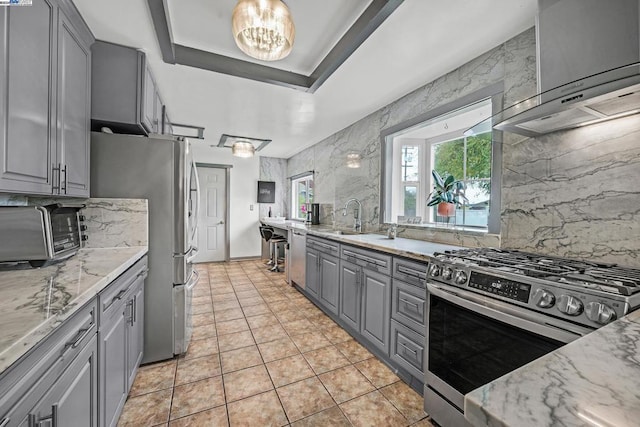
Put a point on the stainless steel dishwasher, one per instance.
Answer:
(297, 250)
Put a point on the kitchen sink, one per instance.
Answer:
(340, 232)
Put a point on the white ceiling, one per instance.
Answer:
(419, 42)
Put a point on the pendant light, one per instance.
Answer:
(243, 149)
(263, 29)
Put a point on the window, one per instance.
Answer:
(442, 142)
(301, 196)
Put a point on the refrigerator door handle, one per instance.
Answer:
(191, 254)
(196, 201)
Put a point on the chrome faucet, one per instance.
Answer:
(357, 216)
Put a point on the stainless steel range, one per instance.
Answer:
(492, 311)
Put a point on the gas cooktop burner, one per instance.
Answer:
(608, 278)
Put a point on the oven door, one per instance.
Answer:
(473, 340)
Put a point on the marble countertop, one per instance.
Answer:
(411, 248)
(593, 381)
(34, 301)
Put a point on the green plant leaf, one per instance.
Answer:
(437, 178)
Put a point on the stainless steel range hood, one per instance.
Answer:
(588, 67)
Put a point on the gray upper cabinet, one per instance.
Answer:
(27, 122)
(74, 104)
(44, 126)
(125, 96)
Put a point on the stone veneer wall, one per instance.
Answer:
(274, 169)
(573, 193)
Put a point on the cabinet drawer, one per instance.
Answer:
(110, 298)
(411, 272)
(409, 306)
(322, 245)
(368, 259)
(24, 383)
(407, 349)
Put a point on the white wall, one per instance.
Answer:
(243, 224)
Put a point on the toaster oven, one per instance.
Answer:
(39, 234)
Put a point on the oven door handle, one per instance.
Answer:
(537, 323)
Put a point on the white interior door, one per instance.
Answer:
(212, 229)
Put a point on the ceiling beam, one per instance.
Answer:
(375, 14)
(236, 67)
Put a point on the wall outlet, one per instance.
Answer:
(250, 207)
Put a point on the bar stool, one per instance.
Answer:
(268, 234)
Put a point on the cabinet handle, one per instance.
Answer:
(411, 272)
(52, 420)
(55, 188)
(407, 348)
(409, 302)
(5, 422)
(130, 305)
(64, 170)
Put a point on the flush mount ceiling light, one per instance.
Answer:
(242, 146)
(243, 149)
(353, 160)
(263, 29)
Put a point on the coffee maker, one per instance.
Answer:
(313, 213)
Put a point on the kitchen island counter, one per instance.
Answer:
(592, 381)
(33, 302)
(410, 248)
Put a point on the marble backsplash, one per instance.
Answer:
(572, 193)
(274, 169)
(111, 223)
(114, 223)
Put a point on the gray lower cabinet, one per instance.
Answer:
(376, 296)
(407, 349)
(329, 282)
(45, 84)
(364, 303)
(72, 400)
(56, 382)
(312, 272)
(120, 340)
(125, 94)
(323, 272)
(350, 276)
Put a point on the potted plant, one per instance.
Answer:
(447, 194)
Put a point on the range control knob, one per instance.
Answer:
(447, 273)
(543, 298)
(460, 277)
(434, 270)
(570, 305)
(600, 313)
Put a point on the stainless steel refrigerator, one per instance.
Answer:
(162, 170)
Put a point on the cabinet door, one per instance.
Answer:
(329, 282)
(135, 331)
(147, 116)
(350, 294)
(72, 401)
(312, 285)
(113, 367)
(74, 109)
(27, 79)
(376, 290)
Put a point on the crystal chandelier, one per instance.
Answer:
(243, 149)
(263, 29)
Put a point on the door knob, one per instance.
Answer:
(221, 222)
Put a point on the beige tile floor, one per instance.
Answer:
(263, 355)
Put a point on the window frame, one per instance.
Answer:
(303, 177)
(387, 181)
